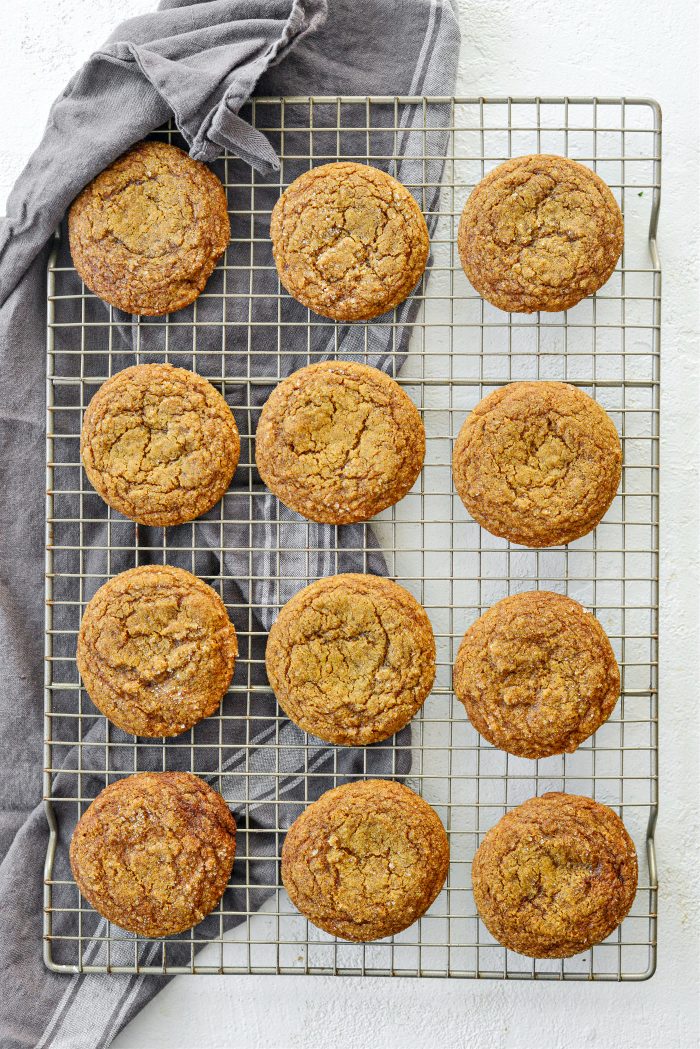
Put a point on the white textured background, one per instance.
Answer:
(613, 47)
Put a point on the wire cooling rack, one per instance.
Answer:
(460, 349)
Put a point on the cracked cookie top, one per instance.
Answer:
(366, 860)
(153, 853)
(339, 441)
(349, 241)
(159, 444)
(555, 876)
(351, 658)
(156, 650)
(146, 234)
(540, 233)
(538, 463)
(537, 674)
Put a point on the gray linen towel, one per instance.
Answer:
(198, 63)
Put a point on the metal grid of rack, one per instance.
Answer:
(238, 335)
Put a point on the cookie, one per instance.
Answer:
(154, 852)
(159, 444)
(537, 674)
(555, 876)
(540, 233)
(351, 658)
(156, 650)
(366, 860)
(538, 463)
(339, 441)
(146, 234)
(349, 241)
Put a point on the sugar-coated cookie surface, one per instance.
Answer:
(540, 233)
(349, 241)
(537, 674)
(159, 444)
(339, 441)
(366, 860)
(156, 650)
(538, 463)
(351, 658)
(146, 233)
(555, 875)
(153, 853)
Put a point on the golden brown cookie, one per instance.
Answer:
(351, 658)
(537, 674)
(153, 853)
(555, 876)
(366, 860)
(156, 650)
(349, 241)
(538, 463)
(146, 234)
(159, 444)
(339, 441)
(540, 233)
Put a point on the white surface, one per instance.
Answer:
(517, 48)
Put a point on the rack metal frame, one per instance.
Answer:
(460, 349)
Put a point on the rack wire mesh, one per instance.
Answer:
(460, 349)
